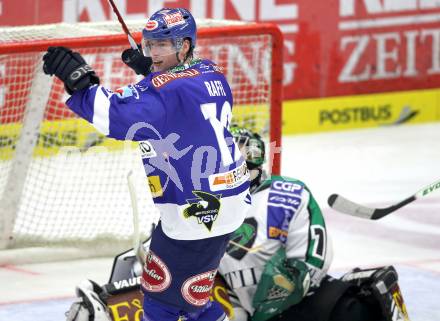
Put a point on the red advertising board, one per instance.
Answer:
(331, 47)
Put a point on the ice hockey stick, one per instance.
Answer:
(343, 205)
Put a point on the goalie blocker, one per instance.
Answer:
(371, 292)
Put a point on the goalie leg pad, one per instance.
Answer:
(319, 305)
(334, 300)
(380, 285)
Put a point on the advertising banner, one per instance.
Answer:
(361, 111)
(332, 48)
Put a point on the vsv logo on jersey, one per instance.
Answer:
(205, 208)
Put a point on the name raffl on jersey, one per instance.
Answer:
(196, 174)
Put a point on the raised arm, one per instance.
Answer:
(121, 114)
(133, 112)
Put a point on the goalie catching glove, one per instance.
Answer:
(284, 282)
(70, 67)
(89, 305)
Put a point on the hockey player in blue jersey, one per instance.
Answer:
(276, 268)
(179, 113)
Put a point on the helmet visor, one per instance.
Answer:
(156, 48)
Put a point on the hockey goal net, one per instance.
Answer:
(62, 184)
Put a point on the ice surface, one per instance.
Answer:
(375, 167)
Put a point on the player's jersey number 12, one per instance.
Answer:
(209, 111)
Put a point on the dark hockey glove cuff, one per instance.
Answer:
(70, 67)
(137, 61)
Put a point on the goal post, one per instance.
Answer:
(62, 184)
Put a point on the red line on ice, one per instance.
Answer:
(17, 269)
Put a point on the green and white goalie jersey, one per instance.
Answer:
(283, 214)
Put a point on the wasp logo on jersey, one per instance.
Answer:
(205, 208)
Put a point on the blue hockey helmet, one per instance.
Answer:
(169, 23)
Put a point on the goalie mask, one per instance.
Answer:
(164, 36)
(250, 144)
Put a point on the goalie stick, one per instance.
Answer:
(343, 205)
(138, 246)
(248, 249)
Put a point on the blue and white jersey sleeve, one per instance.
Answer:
(195, 172)
(132, 110)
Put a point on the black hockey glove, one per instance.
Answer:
(70, 67)
(137, 61)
